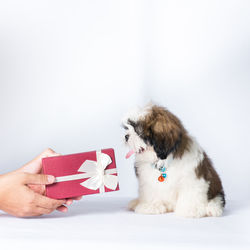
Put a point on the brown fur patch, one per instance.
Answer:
(205, 170)
(165, 132)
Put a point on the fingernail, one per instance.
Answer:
(69, 202)
(65, 209)
(50, 178)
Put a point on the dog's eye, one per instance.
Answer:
(126, 137)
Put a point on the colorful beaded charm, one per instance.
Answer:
(163, 175)
(160, 178)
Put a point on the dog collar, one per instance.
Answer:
(162, 168)
(163, 175)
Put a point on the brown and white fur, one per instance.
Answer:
(192, 187)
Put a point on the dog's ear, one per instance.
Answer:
(164, 138)
(164, 132)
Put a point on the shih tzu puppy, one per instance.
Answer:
(174, 172)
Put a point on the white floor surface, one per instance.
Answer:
(102, 222)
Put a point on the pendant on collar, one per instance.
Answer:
(163, 175)
(161, 166)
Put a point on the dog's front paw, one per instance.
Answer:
(132, 204)
(150, 208)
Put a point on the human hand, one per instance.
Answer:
(22, 192)
(17, 199)
(35, 167)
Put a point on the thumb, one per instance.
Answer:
(38, 179)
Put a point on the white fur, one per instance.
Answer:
(135, 142)
(182, 192)
(137, 113)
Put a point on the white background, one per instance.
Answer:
(69, 70)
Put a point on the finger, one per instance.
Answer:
(38, 179)
(31, 212)
(35, 165)
(77, 198)
(47, 153)
(41, 210)
(62, 209)
(45, 202)
(40, 189)
(69, 202)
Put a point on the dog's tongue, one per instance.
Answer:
(129, 154)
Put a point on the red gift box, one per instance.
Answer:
(81, 174)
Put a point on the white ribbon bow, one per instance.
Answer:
(99, 176)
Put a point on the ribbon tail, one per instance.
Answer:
(111, 181)
(92, 183)
(102, 189)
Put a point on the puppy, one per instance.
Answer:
(174, 172)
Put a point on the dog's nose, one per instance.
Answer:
(126, 137)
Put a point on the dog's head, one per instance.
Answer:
(154, 127)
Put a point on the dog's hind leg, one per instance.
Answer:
(215, 207)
